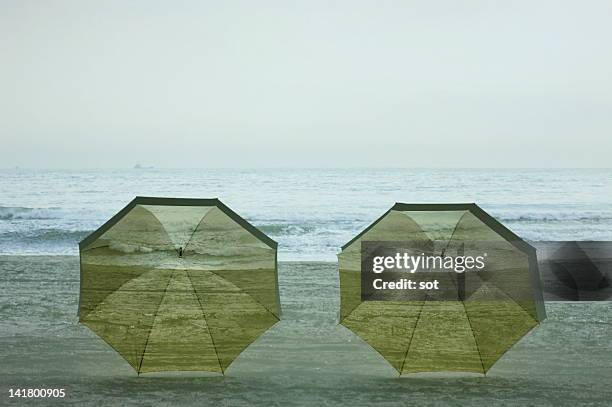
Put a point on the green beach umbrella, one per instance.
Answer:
(178, 284)
(492, 307)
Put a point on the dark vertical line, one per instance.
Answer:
(163, 227)
(206, 321)
(459, 293)
(80, 284)
(278, 302)
(460, 283)
(196, 229)
(474, 336)
(153, 323)
(471, 329)
(454, 230)
(412, 336)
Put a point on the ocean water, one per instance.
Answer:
(310, 212)
(307, 358)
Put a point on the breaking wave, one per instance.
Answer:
(23, 213)
(287, 229)
(583, 217)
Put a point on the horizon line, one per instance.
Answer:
(152, 167)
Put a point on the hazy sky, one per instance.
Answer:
(306, 84)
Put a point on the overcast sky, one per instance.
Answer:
(306, 84)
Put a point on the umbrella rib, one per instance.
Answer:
(474, 336)
(205, 320)
(462, 303)
(120, 288)
(416, 323)
(449, 242)
(352, 310)
(454, 230)
(367, 343)
(471, 329)
(86, 323)
(196, 229)
(153, 323)
(241, 290)
(245, 292)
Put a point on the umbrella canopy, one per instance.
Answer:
(580, 270)
(493, 308)
(178, 284)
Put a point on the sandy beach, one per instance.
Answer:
(306, 358)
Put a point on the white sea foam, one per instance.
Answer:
(311, 213)
(22, 213)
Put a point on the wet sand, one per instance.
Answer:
(305, 359)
